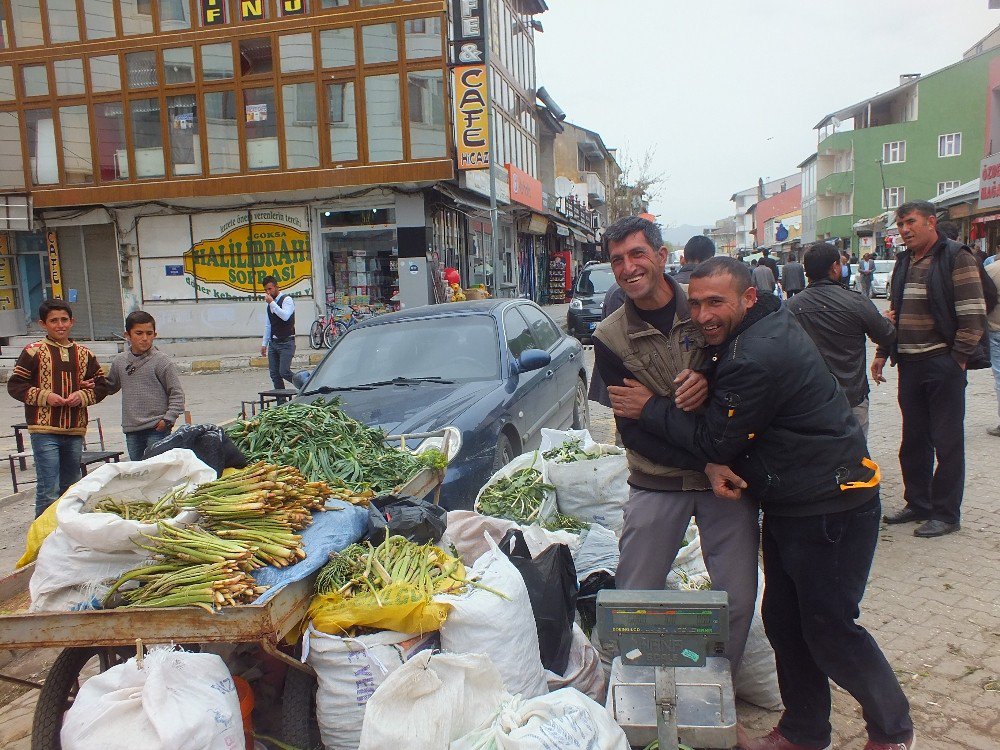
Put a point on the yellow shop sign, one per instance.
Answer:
(244, 255)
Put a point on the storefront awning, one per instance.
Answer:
(538, 224)
(581, 237)
(986, 219)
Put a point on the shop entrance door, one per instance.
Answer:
(33, 274)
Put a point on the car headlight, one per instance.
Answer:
(576, 304)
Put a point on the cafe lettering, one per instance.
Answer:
(213, 12)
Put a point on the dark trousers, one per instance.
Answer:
(815, 572)
(279, 361)
(932, 402)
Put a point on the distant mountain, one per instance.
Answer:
(677, 236)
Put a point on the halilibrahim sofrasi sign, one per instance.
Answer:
(248, 247)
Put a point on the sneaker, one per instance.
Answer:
(994, 431)
(873, 745)
(775, 741)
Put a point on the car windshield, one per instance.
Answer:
(447, 348)
(595, 281)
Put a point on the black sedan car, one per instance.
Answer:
(588, 296)
(498, 370)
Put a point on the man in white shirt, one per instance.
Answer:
(279, 333)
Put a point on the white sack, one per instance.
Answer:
(88, 551)
(566, 719)
(430, 701)
(757, 680)
(177, 701)
(348, 671)
(531, 460)
(481, 622)
(466, 529)
(583, 672)
(688, 570)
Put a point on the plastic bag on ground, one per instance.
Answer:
(209, 442)
(431, 700)
(481, 622)
(177, 701)
(583, 672)
(598, 552)
(757, 680)
(592, 490)
(566, 719)
(531, 460)
(466, 529)
(688, 571)
(419, 521)
(88, 551)
(348, 671)
(552, 587)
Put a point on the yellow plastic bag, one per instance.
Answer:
(40, 528)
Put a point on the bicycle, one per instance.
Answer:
(325, 329)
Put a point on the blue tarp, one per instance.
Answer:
(332, 531)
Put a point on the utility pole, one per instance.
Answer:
(494, 228)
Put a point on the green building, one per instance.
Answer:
(911, 143)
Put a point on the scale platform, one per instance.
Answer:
(706, 706)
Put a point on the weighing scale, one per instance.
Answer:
(671, 682)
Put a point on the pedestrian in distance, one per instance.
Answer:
(845, 269)
(651, 339)
(778, 426)
(697, 250)
(866, 272)
(152, 398)
(993, 319)
(767, 260)
(793, 277)
(57, 379)
(279, 333)
(763, 279)
(839, 320)
(939, 310)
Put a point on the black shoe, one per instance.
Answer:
(905, 515)
(936, 528)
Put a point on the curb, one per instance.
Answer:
(231, 364)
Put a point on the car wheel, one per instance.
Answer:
(581, 407)
(504, 454)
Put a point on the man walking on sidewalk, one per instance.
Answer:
(940, 315)
(793, 277)
(279, 333)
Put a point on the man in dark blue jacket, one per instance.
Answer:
(782, 424)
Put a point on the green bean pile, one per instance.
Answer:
(325, 444)
(517, 497)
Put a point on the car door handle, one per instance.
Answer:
(549, 374)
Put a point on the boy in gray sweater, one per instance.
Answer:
(152, 398)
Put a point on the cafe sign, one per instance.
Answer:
(472, 117)
(213, 12)
(248, 247)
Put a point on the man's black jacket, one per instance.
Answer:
(776, 416)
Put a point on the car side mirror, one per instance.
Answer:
(533, 359)
(300, 378)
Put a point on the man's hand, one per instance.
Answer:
(877, 364)
(54, 399)
(160, 426)
(691, 390)
(263, 351)
(630, 399)
(268, 298)
(890, 315)
(725, 482)
(73, 399)
(87, 384)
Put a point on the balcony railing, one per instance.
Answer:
(595, 188)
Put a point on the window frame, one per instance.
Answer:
(900, 152)
(949, 142)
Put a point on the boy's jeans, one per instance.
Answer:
(137, 442)
(57, 466)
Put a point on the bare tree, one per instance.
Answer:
(636, 184)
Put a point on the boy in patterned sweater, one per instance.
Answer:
(57, 380)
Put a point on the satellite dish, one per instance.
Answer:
(564, 186)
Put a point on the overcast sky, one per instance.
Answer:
(727, 91)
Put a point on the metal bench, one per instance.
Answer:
(87, 459)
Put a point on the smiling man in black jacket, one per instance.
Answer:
(779, 420)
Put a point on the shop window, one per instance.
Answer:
(99, 17)
(261, 128)
(426, 101)
(69, 77)
(26, 18)
(178, 65)
(335, 4)
(7, 92)
(137, 16)
(217, 61)
(294, 8)
(109, 130)
(147, 138)
(105, 74)
(375, 2)
(423, 38)
(175, 15)
(301, 129)
(343, 122)
(379, 43)
(222, 132)
(35, 79)
(5, 42)
(140, 69)
(63, 26)
(384, 129)
(185, 143)
(41, 146)
(336, 48)
(78, 163)
(365, 218)
(296, 52)
(255, 56)
(11, 167)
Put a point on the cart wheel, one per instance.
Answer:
(298, 711)
(60, 689)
